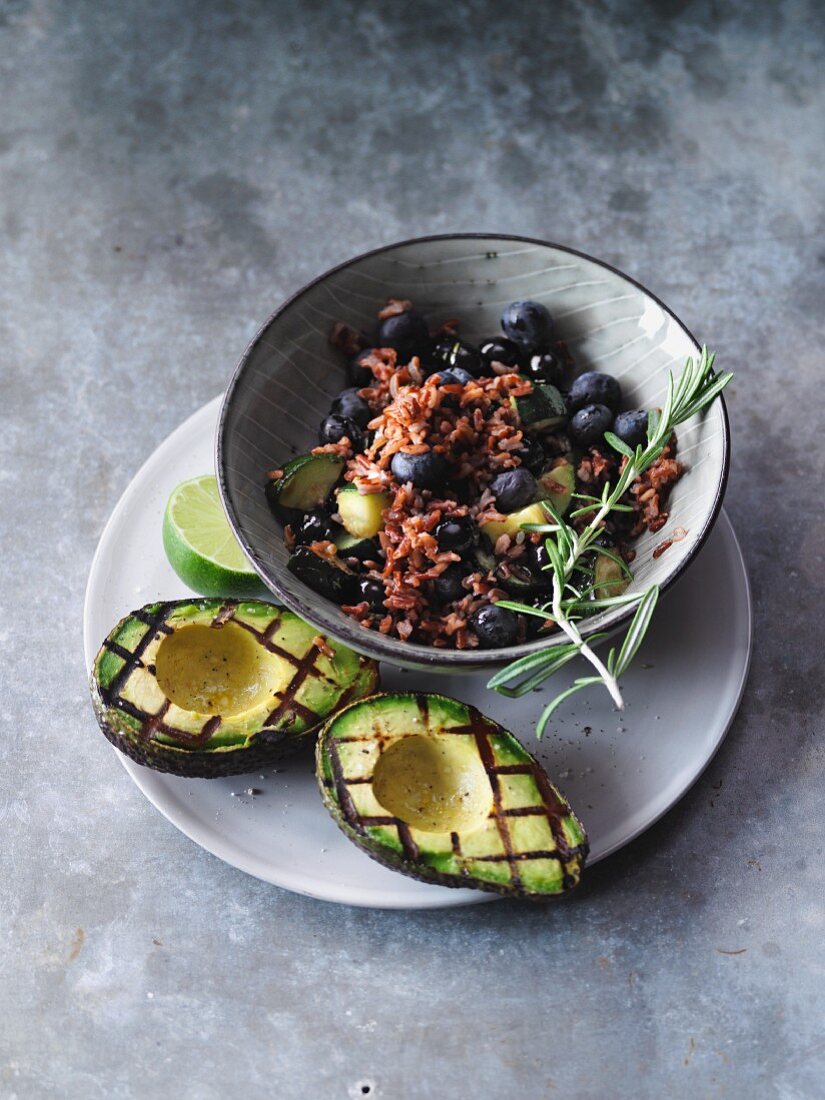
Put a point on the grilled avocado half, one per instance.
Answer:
(214, 687)
(429, 787)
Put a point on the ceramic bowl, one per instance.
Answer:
(287, 377)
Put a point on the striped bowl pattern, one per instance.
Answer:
(288, 376)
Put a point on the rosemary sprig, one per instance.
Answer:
(572, 596)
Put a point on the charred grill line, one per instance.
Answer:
(265, 640)
(555, 811)
(118, 650)
(423, 709)
(209, 727)
(479, 731)
(521, 857)
(407, 843)
(153, 623)
(302, 669)
(152, 722)
(344, 797)
(225, 613)
(149, 620)
(455, 841)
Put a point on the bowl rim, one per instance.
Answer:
(379, 646)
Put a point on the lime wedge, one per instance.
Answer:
(200, 545)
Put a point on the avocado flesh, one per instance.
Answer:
(215, 687)
(428, 786)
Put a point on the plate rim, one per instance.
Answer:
(300, 882)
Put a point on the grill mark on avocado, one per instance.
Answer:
(424, 709)
(521, 857)
(455, 841)
(149, 620)
(345, 800)
(154, 623)
(478, 727)
(265, 640)
(347, 804)
(153, 722)
(556, 812)
(118, 650)
(303, 668)
(209, 727)
(407, 843)
(225, 613)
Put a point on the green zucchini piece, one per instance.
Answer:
(609, 579)
(211, 687)
(362, 514)
(519, 581)
(511, 525)
(558, 485)
(541, 410)
(306, 484)
(351, 547)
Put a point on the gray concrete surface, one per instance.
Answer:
(168, 173)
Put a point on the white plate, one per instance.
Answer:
(620, 771)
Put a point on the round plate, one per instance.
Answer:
(621, 771)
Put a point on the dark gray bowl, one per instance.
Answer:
(288, 375)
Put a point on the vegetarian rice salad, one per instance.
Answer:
(413, 513)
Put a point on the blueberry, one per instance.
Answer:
(631, 427)
(458, 535)
(590, 423)
(494, 626)
(406, 332)
(528, 324)
(454, 376)
(358, 374)
(514, 489)
(546, 366)
(426, 471)
(539, 561)
(594, 388)
(533, 625)
(498, 349)
(532, 454)
(349, 405)
(448, 585)
(335, 427)
(448, 352)
(314, 527)
(373, 592)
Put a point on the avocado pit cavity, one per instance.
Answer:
(435, 784)
(215, 670)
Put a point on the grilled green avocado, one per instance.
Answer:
(429, 787)
(212, 687)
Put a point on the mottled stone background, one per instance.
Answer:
(169, 171)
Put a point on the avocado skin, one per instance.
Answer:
(192, 764)
(422, 872)
(265, 747)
